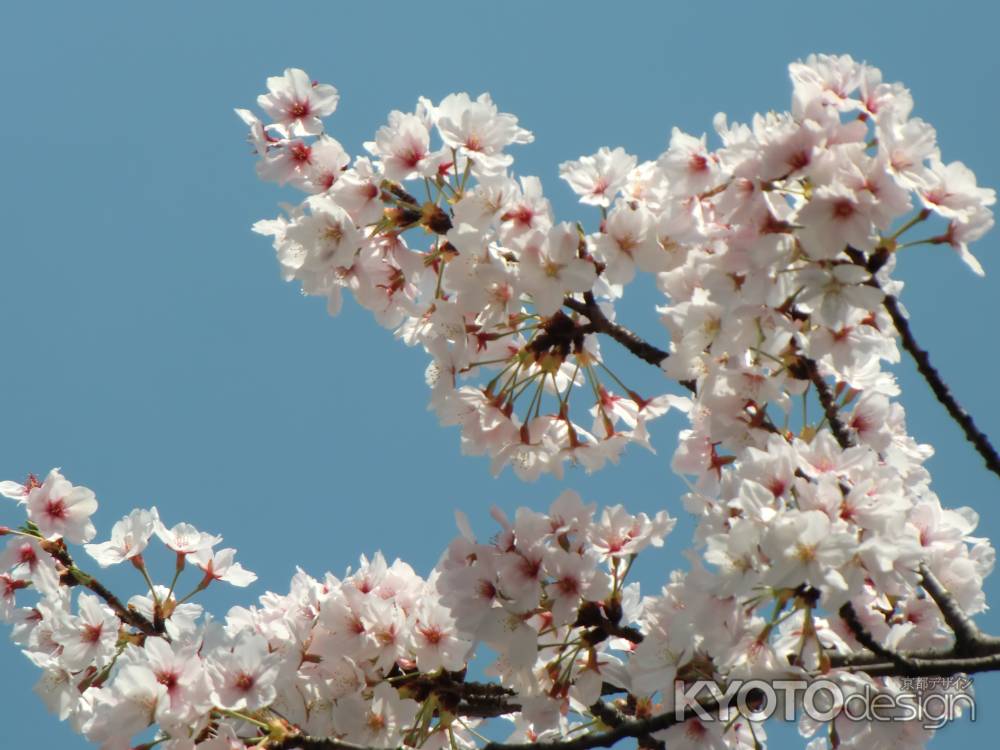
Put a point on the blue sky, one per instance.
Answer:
(152, 351)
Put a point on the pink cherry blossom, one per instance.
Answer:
(598, 178)
(243, 678)
(296, 104)
(183, 538)
(129, 538)
(61, 510)
(88, 638)
(220, 566)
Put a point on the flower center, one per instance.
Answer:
(56, 509)
(298, 110)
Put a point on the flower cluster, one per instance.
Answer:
(786, 237)
(818, 541)
(476, 273)
(113, 670)
(377, 658)
(774, 253)
(321, 656)
(548, 596)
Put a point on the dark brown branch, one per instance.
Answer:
(969, 639)
(965, 630)
(628, 632)
(627, 728)
(484, 711)
(973, 434)
(921, 664)
(481, 700)
(921, 358)
(612, 717)
(621, 728)
(57, 549)
(305, 742)
(631, 341)
(608, 714)
(829, 404)
(888, 664)
(862, 636)
(603, 625)
(972, 651)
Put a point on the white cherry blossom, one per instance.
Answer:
(61, 510)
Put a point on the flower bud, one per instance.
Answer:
(435, 219)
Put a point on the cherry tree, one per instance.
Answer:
(822, 558)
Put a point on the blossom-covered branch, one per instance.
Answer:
(821, 555)
(921, 358)
(631, 341)
(73, 575)
(973, 434)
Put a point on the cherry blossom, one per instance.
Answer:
(296, 105)
(61, 510)
(819, 550)
(129, 538)
(220, 566)
(480, 130)
(598, 178)
(183, 538)
(244, 677)
(89, 637)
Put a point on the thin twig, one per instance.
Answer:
(931, 664)
(608, 714)
(57, 549)
(973, 434)
(862, 636)
(942, 392)
(629, 339)
(969, 640)
(305, 742)
(627, 728)
(829, 404)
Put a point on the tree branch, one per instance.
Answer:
(624, 728)
(969, 639)
(973, 434)
(921, 358)
(57, 549)
(305, 742)
(612, 717)
(627, 728)
(862, 636)
(829, 404)
(920, 664)
(914, 664)
(882, 663)
(629, 339)
(972, 652)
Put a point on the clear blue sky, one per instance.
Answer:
(151, 350)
